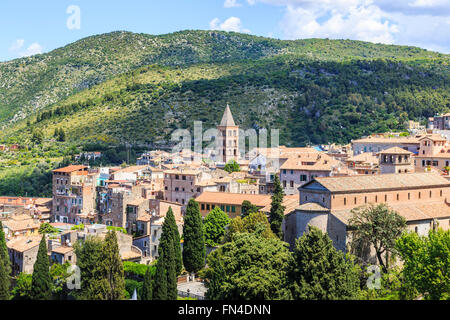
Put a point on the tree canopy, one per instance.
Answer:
(194, 252)
(214, 226)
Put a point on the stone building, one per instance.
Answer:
(23, 253)
(74, 194)
(423, 199)
(395, 160)
(377, 144)
(434, 153)
(228, 140)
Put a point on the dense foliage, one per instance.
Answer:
(232, 166)
(320, 272)
(277, 209)
(376, 227)
(41, 284)
(194, 252)
(255, 222)
(5, 267)
(214, 226)
(247, 208)
(249, 268)
(426, 263)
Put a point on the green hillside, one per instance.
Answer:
(137, 88)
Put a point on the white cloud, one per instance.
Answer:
(421, 23)
(231, 24)
(17, 45)
(231, 4)
(34, 48)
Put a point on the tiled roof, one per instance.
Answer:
(434, 137)
(366, 157)
(409, 211)
(399, 140)
(70, 169)
(131, 169)
(381, 182)
(15, 226)
(290, 202)
(23, 244)
(62, 250)
(260, 200)
(312, 206)
(395, 150)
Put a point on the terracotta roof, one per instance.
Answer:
(312, 206)
(409, 211)
(144, 218)
(70, 169)
(290, 202)
(131, 169)
(319, 162)
(127, 255)
(62, 250)
(434, 137)
(137, 202)
(360, 183)
(407, 140)
(395, 150)
(23, 244)
(15, 226)
(366, 157)
(260, 200)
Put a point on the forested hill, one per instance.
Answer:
(137, 88)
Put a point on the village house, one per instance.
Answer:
(301, 167)
(23, 253)
(376, 144)
(439, 122)
(18, 225)
(364, 163)
(423, 199)
(434, 153)
(395, 160)
(74, 194)
(149, 227)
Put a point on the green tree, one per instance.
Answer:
(41, 284)
(426, 263)
(37, 137)
(247, 208)
(214, 226)
(61, 135)
(5, 267)
(232, 166)
(22, 289)
(277, 209)
(248, 268)
(194, 240)
(147, 287)
(171, 223)
(109, 281)
(320, 272)
(160, 283)
(375, 226)
(47, 228)
(88, 256)
(254, 222)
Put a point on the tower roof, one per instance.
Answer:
(227, 119)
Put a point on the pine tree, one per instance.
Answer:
(147, 287)
(160, 284)
(41, 284)
(109, 272)
(277, 209)
(194, 241)
(170, 219)
(5, 267)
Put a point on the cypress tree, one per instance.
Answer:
(5, 267)
(277, 209)
(172, 292)
(160, 284)
(41, 283)
(147, 287)
(194, 241)
(111, 284)
(170, 219)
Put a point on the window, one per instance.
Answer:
(284, 184)
(431, 193)
(233, 209)
(441, 196)
(177, 177)
(292, 184)
(184, 178)
(416, 229)
(355, 200)
(398, 197)
(292, 171)
(208, 207)
(345, 201)
(228, 209)
(385, 198)
(376, 198)
(419, 195)
(303, 177)
(409, 196)
(284, 171)
(365, 199)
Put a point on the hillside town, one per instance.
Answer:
(410, 173)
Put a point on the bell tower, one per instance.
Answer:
(228, 140)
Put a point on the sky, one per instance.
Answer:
(31, 27)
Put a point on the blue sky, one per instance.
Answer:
(30, 27)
